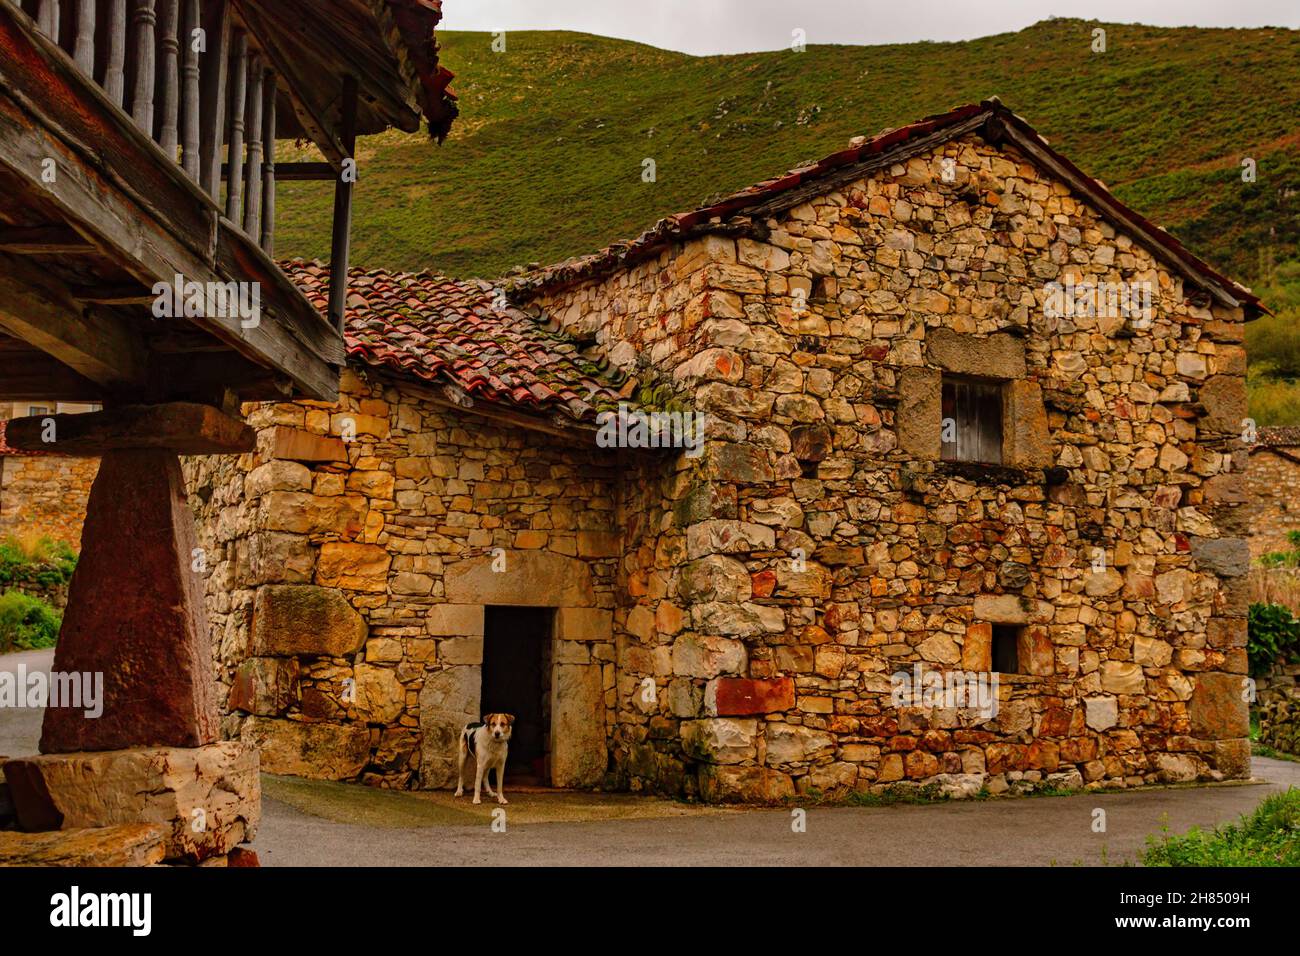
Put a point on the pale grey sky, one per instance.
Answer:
(738, 26)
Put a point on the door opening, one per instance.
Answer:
(517, 680)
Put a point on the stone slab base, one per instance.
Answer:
(135, 844)
(208, 798)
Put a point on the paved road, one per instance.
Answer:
(1036, 831)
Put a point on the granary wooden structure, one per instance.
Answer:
(137, 153)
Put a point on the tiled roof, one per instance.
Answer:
(1278, 436)
(744, 212)
(415, 22)
(449, 331)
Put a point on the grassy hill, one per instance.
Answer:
(545, 161)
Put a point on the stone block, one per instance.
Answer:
(584, 624)
(132, 844)
(918, 418)
(448, 701)
(207, 798)
(578, 753)
(1218, 708)
(291, 620)
(728, 783)
(994, 356)
(266, 686)
(732, 696)
(353, 566)
(316, 751)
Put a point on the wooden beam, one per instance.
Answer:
(39, 311)
(302, 172)
(43, 240)
(32, 376)
(342, 240)
(113, 295)
(183, 427)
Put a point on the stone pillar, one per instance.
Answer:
(135, 624)
(135, 615)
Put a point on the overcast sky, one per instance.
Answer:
(740, 26)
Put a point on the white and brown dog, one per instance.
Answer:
(487, 742)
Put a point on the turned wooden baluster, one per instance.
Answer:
(253, 204)
(268, 169)
(114, 73)
(190, 92)
(84, 51)
(169, 135)
(235, 158)
(142, 102)
(216, 78)
(47, 19)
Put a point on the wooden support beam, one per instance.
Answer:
(43, 240)
(302, 172)
(215, 72)
(32, 376)
(342, 239)
(37, 310)
(113, 295)
(182, 427)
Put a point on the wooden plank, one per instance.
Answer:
(113, 295)
(39, 311)
(144, 21)
(183, 427)
(238, 96)
(215, 72)
(253, 174)
(43, 240)
(169, 21)
(342, 239)
(115, 73)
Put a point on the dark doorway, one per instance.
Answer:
(517, 680)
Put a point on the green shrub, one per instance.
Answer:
(27, 623)
(1273, 634)
(46, 563)
(1270, 836)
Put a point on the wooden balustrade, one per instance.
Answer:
(193, 79)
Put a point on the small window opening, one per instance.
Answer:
(972, 420)
(1006, 648)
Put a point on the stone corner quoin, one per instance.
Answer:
(727, 626)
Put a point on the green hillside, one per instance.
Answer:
(545, 161)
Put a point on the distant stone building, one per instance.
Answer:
(1274, 489)
(965, 413)
(42, 495)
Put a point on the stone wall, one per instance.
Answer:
(1273, 483)
(349, 562)
(45, 496)
(820, 545)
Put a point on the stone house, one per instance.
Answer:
(42, 494)
(965, 413)
(1273, 485)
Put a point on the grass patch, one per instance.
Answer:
(41, 562)
(1264, 750)
(27, 623)
(1269, 836)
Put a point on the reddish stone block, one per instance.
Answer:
(764, 583)
(135, 615)
(742, 695)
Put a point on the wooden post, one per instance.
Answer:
(253, 204)
(190, 91)
(341, 246)
(84, 51)
(235, 185)
(47, 19)
(169, 135)
(114, 75)
(215, 77)
(268, 169)
(142, 102)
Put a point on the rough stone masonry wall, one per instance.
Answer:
(1274, 486)
(45, 496)
(370, 561)
(818, 356)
